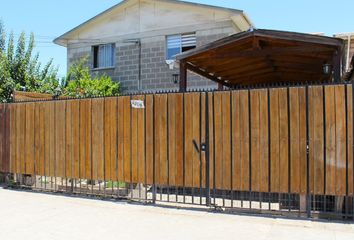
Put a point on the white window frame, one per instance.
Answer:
(180, 41)
(105, 56)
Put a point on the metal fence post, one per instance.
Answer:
(308, 196)
(207, 151)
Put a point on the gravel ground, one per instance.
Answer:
(36, 216)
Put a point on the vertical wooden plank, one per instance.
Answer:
(149, 105)
(330, 139)
(340, 172)
(226, 141)
(196, 136)
(263, 132)
(13, 136)
(8, 134)
(141, 142)
(350, 139)
(39, 138)
(120, 123)
(294, 141)
(76, 141)
(83, 136)
(244, 126)
(188, 144)
(50, 138)
(316, 141)
(2, 136)
(172, 138)
(179, 127)
(107, 138)
(274, 125)
(20, 146)
(134, 142)
(29, 139)
(114, 138)
(60, 108)
(236, 141)
(283, 137)
(303, 140)
(211, 108)
(68, 139)
(97, 139)
(218, 118)
(127, 139)
(89, 147)
(255, 140)
(162, 165)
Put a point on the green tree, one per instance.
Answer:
(80, 83)
(20, 69)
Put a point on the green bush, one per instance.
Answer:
(80, 83)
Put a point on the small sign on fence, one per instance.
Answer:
(137, 103)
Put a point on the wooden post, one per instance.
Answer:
(220, 87)
(337, 58)
(182, 76)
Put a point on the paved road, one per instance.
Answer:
(36, 216)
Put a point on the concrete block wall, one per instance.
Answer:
(155, 73)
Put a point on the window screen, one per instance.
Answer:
(180, 43)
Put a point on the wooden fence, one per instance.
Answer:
(282, 140)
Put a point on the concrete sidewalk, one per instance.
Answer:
(38, 216)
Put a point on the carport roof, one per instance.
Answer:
(266, 56)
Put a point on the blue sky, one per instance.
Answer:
(48, 19)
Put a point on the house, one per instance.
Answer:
(135, 41)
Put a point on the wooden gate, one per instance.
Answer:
(270, 149)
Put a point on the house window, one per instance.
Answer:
(103, 55)
(180, 43)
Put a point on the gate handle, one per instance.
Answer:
(196, 146)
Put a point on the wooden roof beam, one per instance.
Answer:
(206, 74)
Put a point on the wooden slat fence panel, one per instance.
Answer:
(257, 139)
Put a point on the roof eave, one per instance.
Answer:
(262, 33)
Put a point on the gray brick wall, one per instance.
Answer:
(155, 73)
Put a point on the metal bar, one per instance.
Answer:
(117, 139)
(346, 154)
(289, 149)
(184, 150)
(92, 181)
(65, 173)
(104, 144)
(34, 147)
(231, 152)
(269, 149)
(154, 154)
(201, 150)
(145, 177)
(250, 148)
(207, 151)
(352, 84)
(308, 198)
(131, 149)
(214, 162)
(168, 149)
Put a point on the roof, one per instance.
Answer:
(344, 35)
(264, 56)
(120, 4)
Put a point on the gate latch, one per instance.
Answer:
(203, 146)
